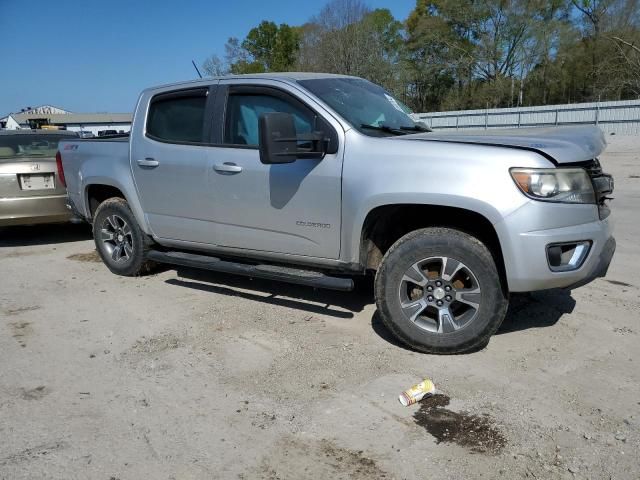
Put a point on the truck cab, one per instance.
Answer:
(200, 145)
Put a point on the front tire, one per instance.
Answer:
(438, 290)
(120, 241)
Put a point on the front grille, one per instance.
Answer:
(602, 184)
(593, 167)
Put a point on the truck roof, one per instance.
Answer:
(291, 76)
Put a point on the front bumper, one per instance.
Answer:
(525, 251)
(33, 210)
(601, 265)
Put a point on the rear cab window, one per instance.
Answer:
(177, 117)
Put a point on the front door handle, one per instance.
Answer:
(227, 167)
(148, 162)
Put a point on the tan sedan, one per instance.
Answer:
(30, 190)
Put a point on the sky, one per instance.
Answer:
(96, 56)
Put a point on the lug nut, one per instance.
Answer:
(439, 303)
(438, 283)
(448, 288)
(429, 288)
(430, 298)
(448, 298)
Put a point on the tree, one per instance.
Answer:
(239, 60)
(337, 45)
(273, 47)
(214, 67)
(346, 37)
(598, 21)
(545, 74)
(266, 48)
(439, 53)
(457, 54)
(629, 60)
(385, 51)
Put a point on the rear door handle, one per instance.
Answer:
(227, 167)
(148, 162)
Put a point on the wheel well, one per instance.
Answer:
(386, 224)
(96, 194)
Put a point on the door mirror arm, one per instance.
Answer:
(278, 141)
(319, 145)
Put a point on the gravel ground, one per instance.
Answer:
(189, 375)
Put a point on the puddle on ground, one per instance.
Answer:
(477, 433)
(86, 257)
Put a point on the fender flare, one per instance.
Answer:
(128, 193)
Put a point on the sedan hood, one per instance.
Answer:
(559, 144)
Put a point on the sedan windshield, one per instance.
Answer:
(365, 105)
(27, 145)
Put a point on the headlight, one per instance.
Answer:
(568, 185)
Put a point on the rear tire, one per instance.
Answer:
(120, 241)
(438, 290)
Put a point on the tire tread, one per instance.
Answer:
(141, 265)
(429, 234)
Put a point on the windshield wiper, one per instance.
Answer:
(384, 128)
(416, 128)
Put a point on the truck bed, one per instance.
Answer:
(90, 159)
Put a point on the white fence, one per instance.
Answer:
(621, 118)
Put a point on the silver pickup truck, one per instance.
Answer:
(316, 179)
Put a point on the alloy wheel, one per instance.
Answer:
(440, 294)
(117, 238)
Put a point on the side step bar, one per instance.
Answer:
(269, 272)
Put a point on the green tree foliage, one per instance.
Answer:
(347, 37)
(458, 54)
(266, 48)
(272, 47)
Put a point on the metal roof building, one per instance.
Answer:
(82, 122)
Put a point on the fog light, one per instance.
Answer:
(564, 257)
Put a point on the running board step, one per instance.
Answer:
(269, 272)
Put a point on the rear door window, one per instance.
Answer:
(177, 117)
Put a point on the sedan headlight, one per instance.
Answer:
(568, 185)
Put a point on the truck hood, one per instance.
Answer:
(558, 144)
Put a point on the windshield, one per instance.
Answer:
(27, 145)
(365, 105)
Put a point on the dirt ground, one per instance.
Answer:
(192, 375)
